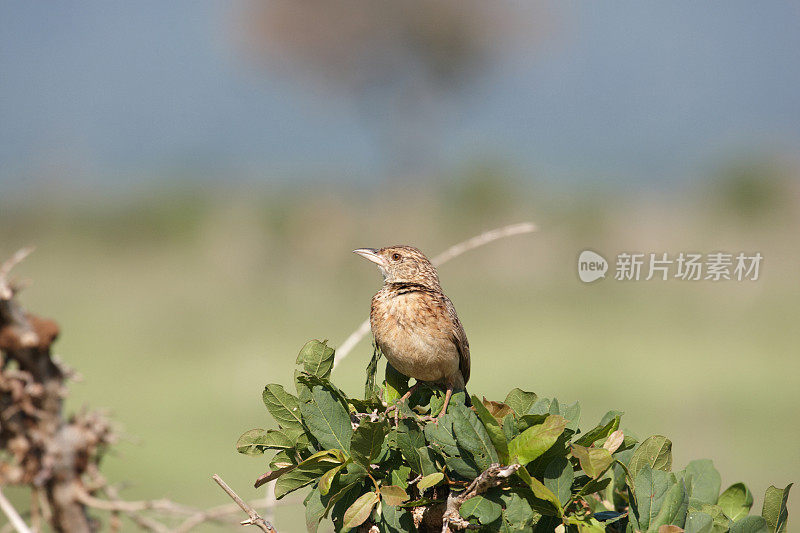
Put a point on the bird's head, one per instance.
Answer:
(402, 264)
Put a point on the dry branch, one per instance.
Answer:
(14, 518)
(493, 476)
(57, 456)
(255, 519)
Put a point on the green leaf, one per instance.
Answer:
(600, 432)
(429, 481)
(367, 440)
(409, 438)
(736, 501)
(393, 495)
(471, 435)
(611, 415)
(282, 459)
(594, 485)
(442, 440)
(482, 508)
(341, 501)
(558, 477)
(372, 370)
(699, 522)
(399, 476)
(326, 480)
(702, 481)
(594, 461)
(520, 401)
(774, 510)
(526, 421)
(316, 358)
(673, 507)
(721, 522)
(536, 440)
(655, 451)
(517, 512)
(308, 381)
(571, 412)
(395, 384)
(494, 430)
(364, 406)
(326, 418)
(652, 490)
(395, 519)
(540, 491)
(360, 510)
(339, 489)
(283, 406)
(306, 472)
(256, 441)
(315, 510)
(413, 447)
(750, 524)
(542, 407)
(510, 427)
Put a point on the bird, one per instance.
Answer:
(415, 325)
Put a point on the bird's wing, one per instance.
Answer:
(459, 338)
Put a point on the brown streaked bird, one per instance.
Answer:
(414, 324)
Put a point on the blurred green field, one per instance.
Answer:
(178, 306)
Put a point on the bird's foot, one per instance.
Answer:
(429, 418)
(396, 408)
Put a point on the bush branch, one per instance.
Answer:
(493, 476)
(255, 518)
(14, 518)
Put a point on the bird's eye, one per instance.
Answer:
(395, 257)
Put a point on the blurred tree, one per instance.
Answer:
(398, 62)
(752, 187)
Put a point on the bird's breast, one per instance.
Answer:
(411, 331)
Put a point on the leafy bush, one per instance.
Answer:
(517, 465)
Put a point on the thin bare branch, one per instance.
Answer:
(144, 522)
(451, 253)
(13, 516)
(255, 518)
(165, 506)
(271, 501)
(6, 292)
(36, 515)
(219, 513)
(482, 239)
(493, 476)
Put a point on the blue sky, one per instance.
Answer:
(658, 92)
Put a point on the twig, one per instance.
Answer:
(255, 518)
(133, 509)
(484, 238)
(13, 516)
(451, 253)
(121, 506)
(6, 291)
(493, 476)
(216, 514)
(36, 515)
(144, 522)
(271, 501)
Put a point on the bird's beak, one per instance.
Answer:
(370, 254)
